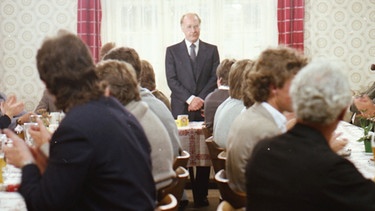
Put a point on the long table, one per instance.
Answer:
(12, 201)
(192, 140)
(358, 157)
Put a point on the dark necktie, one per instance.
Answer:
(192, 52)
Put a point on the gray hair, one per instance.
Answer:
(320, 92)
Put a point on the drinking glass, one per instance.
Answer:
(3, 139)
(373, 145)
(26, 126)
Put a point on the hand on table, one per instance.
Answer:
(337, 143)
(25, 118)
(196, 104)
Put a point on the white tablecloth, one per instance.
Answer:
(11, 201)
(358, 156)
(192, 140)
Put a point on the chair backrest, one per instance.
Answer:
(237, 200)
(176, 188)
(168, 203)
(225, 206)
(214, 150)
(182, 160)
(206, 132)
(222, 155)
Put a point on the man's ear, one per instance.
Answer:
(107, 92)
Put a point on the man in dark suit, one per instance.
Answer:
(298, 170)
(191, 76)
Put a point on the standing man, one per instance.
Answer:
(191, 76)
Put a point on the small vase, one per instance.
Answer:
(367, 143)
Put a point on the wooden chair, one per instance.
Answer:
(181, 160)
(176, 188)
(237, 200)
(206, 132)
(168, 203)
(214, 150)
(225, 206)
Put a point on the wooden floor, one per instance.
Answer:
(213, 198)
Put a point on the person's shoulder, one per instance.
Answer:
(176, 45)
(207, 44)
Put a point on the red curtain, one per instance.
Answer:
(290, 15)
(88, 25)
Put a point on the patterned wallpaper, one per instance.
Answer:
(341, 29)
(24, 24)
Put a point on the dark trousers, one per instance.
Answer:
(199, 182)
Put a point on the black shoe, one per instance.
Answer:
(182, 205)
(201, 203)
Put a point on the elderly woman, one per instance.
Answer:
(121, 81)
(99, 155)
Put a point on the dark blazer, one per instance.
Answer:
(185, 80)
(99, 160)
(46, 102)
(211, 103)
(4, 121)
(298, 171)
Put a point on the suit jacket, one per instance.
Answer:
(211, 103)
(99, 160)
(46, 103)
(251, 126)
(298, 171)
(185, 80)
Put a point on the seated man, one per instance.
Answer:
(298, 170)
(147, 81)
(9, 108)
(232, 106)
(215, 98)
(131, 56)
(268, 85)
(122, 84)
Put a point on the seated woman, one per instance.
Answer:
(121, 81)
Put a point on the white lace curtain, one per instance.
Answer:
(240, 28)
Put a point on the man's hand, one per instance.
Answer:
(40, 134)
(19, 153)
(196, 104)
(337, 143)
(11, 107)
